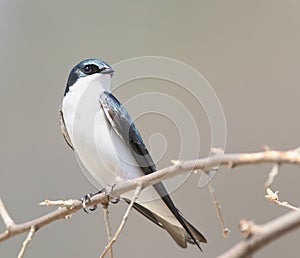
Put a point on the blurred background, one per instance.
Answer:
(247, 50)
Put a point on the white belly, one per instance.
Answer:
(107, 158)
(104, 154)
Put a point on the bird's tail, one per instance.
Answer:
(180, 235)
(196, 234)
(176, 230)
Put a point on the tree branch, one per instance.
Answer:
(26, 242)
(108, 228)
(261, 235)
(5, 216)
(125, 217)
(180, 167)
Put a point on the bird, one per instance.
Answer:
(109, 146)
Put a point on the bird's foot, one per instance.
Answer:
(112, 200)
(115, 200)
(87, 198)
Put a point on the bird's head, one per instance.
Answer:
(88, 71)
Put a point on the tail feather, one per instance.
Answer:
(196, 234)
(178, 233)
(181, 235)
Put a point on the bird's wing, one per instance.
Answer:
(123, 125)
(64, 129)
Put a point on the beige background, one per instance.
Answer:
(248, 50)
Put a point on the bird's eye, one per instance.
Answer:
(91, 69)
(87, 69)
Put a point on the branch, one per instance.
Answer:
(26, 242)
(108, 228)
(5, 216)
(181, 167)
(125, 217)
(259, 236)
(271, 196)
(225, 230)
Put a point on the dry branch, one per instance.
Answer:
(261, 235)
(108, 228)
(125, 217)
(26, 242)
(205, 164)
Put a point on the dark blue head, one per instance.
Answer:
(86, 68)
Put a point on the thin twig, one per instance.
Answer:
(271, 176)
(273, 196)
(108, 228)
(115, 237)
(26, 242)
(5, 215)
(225, 230)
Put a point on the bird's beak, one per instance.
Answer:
(107, 70)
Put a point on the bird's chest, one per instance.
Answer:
(91, 137)
(95, 147)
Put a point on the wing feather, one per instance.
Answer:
(64, 129)
(123, 125)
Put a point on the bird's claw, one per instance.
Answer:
(85, 200)
(116, 200)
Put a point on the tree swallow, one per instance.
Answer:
(109, 146)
